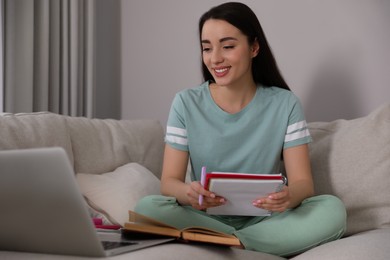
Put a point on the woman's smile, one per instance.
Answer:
(221, 71)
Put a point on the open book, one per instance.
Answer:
(240, 190)
(142, 225)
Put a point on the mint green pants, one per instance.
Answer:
(317, 220)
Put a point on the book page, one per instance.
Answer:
(151, 229)
(144, 225)
(138, 218)
(225, 239)
(206, 231)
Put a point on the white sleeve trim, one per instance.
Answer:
(176, 140)
(297, 135)
(176, 131)
(296, 126)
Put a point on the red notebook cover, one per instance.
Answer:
(249, 176)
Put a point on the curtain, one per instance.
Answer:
(49, 56)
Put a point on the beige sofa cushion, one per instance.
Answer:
(33, 130)
(101, 145)
(373, 244)
(351, 159)
(114, 193)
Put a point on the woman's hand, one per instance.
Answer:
(274, 202)
(209, 199)
(300, 182)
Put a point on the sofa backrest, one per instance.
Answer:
(351, 159)
(93, 145)
(34, 130)
(101, 145)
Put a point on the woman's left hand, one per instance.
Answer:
(274, 202)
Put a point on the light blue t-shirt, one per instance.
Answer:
(250, 141)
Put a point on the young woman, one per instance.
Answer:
(243, 118)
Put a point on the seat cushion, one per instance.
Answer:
(372, 244)
(169, 251)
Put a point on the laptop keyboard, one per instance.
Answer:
(113, 244)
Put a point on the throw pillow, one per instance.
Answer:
(114, 193)
(351, 159)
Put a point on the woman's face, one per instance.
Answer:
(227, 53)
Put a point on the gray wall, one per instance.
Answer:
(108, 59)
(334, 54)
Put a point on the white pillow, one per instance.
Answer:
(114, 193)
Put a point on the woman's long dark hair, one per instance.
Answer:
(264, 68)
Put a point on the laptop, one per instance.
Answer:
(42, 209)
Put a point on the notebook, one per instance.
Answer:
(240, 189)
(42, 209)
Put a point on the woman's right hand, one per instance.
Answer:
(173, 182)
(210, 199)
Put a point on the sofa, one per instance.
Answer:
(117, 162)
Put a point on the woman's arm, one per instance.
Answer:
(173, 174)
(173, 182)
(300, 180)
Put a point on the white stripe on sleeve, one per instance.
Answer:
(176, 131)
(176, 140)
(294, 127)
(296, 135)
